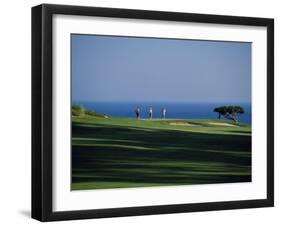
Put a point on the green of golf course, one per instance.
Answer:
(112, 152)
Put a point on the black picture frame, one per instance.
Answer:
(42, 111)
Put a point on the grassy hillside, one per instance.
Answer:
(79, 111)
(123, 152)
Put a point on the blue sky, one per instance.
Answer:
(111, 68)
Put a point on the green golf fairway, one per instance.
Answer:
(124, 152)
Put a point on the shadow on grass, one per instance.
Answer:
(119, 154)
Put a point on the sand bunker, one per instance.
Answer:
(181, 124)
(221, 124)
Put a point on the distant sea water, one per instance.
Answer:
(173, 110)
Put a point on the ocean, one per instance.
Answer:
(173, 110)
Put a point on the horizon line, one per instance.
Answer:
(160, 101)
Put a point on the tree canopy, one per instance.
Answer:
(229, 112)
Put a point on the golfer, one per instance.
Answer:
(150, 112)
(163, 112)
(137, 111)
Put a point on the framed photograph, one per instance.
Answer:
(145, 112)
